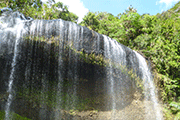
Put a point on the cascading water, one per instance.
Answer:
(11, 79)
(59, 70)
(59, 86)
(149, 89)
(18, 33)
(110, 82)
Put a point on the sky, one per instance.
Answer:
(82, 7)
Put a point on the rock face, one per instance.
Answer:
(49, 69)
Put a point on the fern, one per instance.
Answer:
(177, 117)
(176, 105)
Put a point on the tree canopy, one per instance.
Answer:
(39, 10)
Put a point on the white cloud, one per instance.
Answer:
(168, 3)
(75, 6)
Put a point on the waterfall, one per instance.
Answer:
(110, 82)
(59, 86)
(18, 33)
(56, 69)
(149, 88)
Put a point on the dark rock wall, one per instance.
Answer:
(48, 54)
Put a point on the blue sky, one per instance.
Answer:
(81, 7)
(118, 6)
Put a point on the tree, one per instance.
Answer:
(58, 10)
(27, 7)
(38, 10)
(91, 21)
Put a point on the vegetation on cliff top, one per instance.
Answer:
(38, 10)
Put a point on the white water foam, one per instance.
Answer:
(18, 31)
(110, 77)
(149, 87)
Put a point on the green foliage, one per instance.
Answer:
(176, 109)
(176, 8)
(91, 21)
(31, 6)
(176, 106)
(38, 10)
(167, 113)
(2, 4)
(14, 115)
(56, 11)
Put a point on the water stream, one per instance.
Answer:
(10, 91)
(149, 88)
